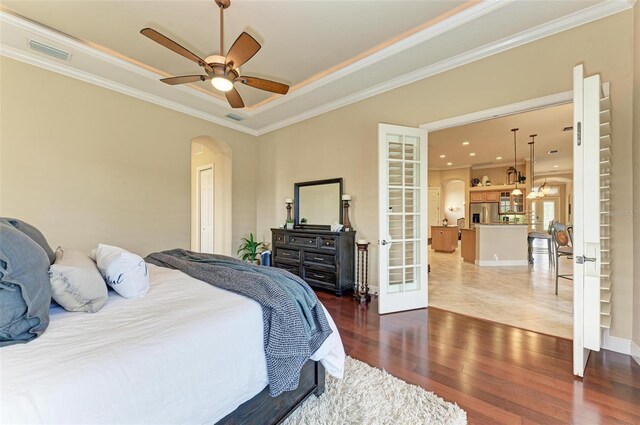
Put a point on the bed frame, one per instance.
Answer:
(264, 409)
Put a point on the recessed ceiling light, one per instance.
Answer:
(449, 163)
(498, 158)
(442, 156)
(465, 143)
(556, 166)
(472, 154)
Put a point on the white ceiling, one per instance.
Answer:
(493, 138)
(332, 52)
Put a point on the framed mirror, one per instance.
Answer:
(318, 203)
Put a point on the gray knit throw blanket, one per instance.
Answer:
(295, 325)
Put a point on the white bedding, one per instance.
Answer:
(186, 353)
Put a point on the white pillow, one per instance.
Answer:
(76, 283)
(124, 271)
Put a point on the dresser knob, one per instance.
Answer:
(310, 241)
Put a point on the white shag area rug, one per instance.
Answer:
(368, 395)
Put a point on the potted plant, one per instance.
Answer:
(251, 249)
(289, 224)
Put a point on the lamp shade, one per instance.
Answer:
(516, 192)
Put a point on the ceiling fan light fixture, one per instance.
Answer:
(221, 83)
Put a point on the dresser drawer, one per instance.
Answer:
(328, 243)
(287, 254)
(278, 239)
(288, 267)
(319, 276)
(306, 241)
(313, 257)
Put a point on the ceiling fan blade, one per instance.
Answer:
(234, 98)
(242, 50)
(263, 84)
(172, 45)
(184, 79)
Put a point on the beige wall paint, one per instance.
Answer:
(329, 145)
(497, 175)
(454, 197)
(89, 165)
(439, 178)
(636, 179)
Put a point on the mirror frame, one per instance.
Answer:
(296, 204)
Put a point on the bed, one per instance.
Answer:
(188, 352)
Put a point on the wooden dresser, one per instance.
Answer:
(324, 259)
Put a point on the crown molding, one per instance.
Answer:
(582, 17)
(413, 40)
(12, 22)
(64, 69)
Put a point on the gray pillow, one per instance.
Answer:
(25, 291)
(34, 234)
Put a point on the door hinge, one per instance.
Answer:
(579, 133)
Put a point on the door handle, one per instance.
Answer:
(581, 259)
(383, 242)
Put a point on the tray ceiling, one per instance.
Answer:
(332, 52)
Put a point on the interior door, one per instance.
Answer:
(205, 181)
(402, 166)
(588, 205)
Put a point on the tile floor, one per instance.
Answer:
(518, 296)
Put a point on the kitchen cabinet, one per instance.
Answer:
(479, 197)
(476, 197)
(492, 196)
(444, 238)
(511, 204)
(468, 245)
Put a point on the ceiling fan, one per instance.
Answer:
(223, 71)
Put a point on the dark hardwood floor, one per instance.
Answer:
(497, 373)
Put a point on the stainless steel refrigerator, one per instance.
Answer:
(484, 213)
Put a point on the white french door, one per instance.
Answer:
(205, 209)
(543, 211)
(402, 184)
(591, 273)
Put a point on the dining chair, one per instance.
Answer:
(562, 243)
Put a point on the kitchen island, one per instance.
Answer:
(499, 245)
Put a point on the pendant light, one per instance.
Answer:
(532, 152)
(515, 191)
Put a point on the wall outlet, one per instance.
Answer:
(495, 257)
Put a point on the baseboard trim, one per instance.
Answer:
(635, 352)
(501, 263)
(613, 343)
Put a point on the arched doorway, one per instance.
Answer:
(211, 219)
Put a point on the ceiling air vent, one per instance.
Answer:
(50, 51)
(569, 128)
(235, 117)
(553, 151)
